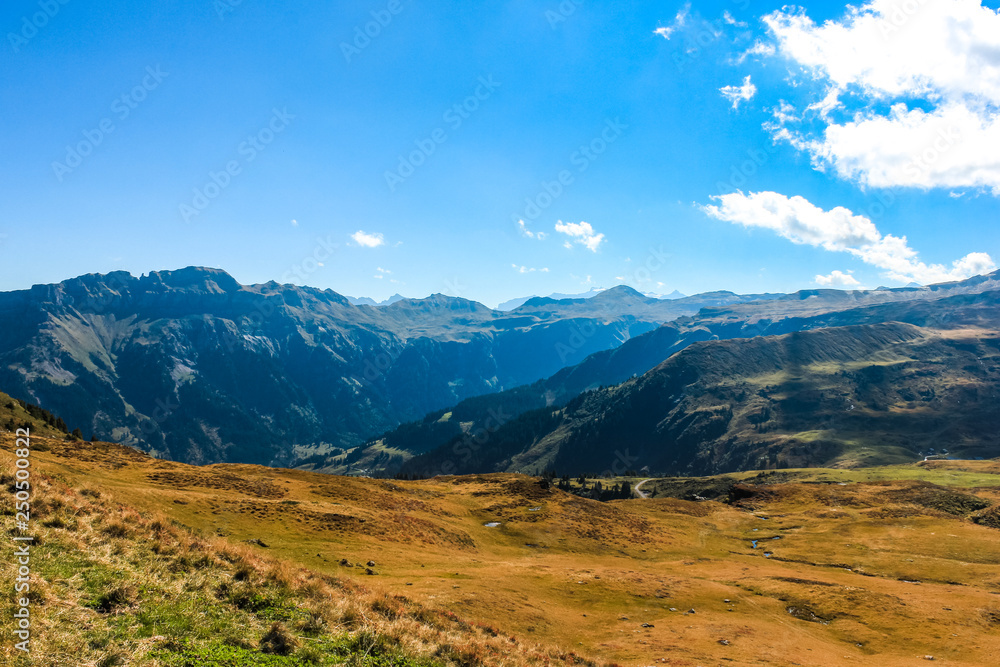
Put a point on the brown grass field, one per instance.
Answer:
(882, 566)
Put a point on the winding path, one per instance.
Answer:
(638, 491)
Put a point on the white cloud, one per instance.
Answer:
(581, 233)
(759, 48)
(728, 18)
(295, 223)
(368, 240)
(920, 87)
(837, 278)
(942, 49)
(950, 147)
(381, 274)
(679, 21)
(737, 94)
(785, 113)
(839, 230)
(525, 269)
(541, 236)
(831, 102)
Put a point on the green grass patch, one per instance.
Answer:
(362, 650)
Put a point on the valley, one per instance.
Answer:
(191, 366)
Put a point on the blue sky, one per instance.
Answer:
(262, 139)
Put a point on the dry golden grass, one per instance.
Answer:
(115, 585)
(837, 588)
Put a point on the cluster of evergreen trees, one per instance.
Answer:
(595, 491)
(42, 415)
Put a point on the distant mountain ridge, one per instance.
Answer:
(366, 301)
(516, 303)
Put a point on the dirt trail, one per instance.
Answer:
(638, 491)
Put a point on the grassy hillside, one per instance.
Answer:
(154, 562)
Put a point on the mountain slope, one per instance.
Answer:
(853, 395)
(111, 584)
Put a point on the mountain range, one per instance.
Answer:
(968, 307)
(515, 303)
(367, 301)
(192, 366)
